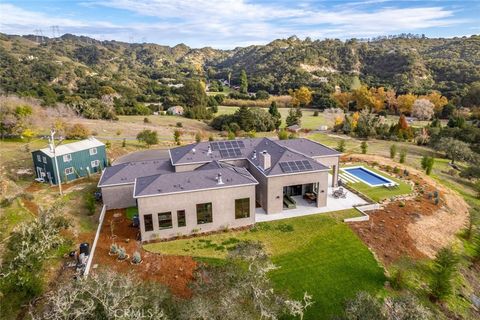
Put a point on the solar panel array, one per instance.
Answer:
(230, 153)
(295, 166)
(223, 145)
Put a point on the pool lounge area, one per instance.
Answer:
(367, 176)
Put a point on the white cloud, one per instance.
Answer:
(230, 23)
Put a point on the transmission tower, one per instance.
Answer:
(38, 35)
(55, 31)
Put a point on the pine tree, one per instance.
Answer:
(243, 82)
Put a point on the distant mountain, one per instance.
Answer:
(54, 69)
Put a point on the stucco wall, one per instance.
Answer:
(118, 197)
(223, 210)
(276, 184)
(187, 167)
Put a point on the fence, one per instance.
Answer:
(97, 235)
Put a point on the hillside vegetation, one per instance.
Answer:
(72, 68)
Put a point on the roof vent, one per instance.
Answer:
(254, 154)
(209, 150)
(193, 150)
(219, 178)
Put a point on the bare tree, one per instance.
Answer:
(423, 109)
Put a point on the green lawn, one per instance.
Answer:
(131, 212)
(380, 193)
(318, 254)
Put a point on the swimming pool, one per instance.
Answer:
(367, 176)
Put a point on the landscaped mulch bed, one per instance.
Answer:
(175, 272)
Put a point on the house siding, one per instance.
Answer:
(223, 211)
(118, 197)
(81, 160)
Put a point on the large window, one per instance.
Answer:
(182, 221)
(93, 151)
(94, 163)
(148, 222)
(69, 170)
(165, 220)
(67, 158)
(242, 208)
(39, 158)
(204, 213)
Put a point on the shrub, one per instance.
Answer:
(198, 137)
(176, 136)
(149, 137)
(124, 143)
(146, 120)
(403, 155)
(341, 146)
(282, 134)
(427, 164)
(444, 267)
(108, 144)
(231, 135)
(364, 147)
(393, 151)
(315, 113)
(90, 203)
(77, 131)
(136, 258)
(179, 125)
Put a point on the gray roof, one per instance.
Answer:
(186, 154)
(72, 147)
(202, 179)
(308, 147)
(279, 150)
(127, 172)
(279, 154)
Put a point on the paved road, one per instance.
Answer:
(143, 155)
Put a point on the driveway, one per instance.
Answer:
(151, 154)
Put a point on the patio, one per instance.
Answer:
(304, 208)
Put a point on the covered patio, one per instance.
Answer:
(304, 207)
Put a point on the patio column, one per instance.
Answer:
(335, 176)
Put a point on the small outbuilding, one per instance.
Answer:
(294, 128)
(175, 110)
(74, 160)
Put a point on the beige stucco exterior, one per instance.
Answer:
(118, 197)
(223, 210)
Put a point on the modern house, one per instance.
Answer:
(209, 186)
(74, 160)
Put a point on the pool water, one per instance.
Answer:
(367, 176)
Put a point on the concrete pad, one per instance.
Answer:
(304, 208)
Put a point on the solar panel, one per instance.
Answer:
(296, 166)
(230, 153)
(222, 145)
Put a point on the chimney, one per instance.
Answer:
(219, 178)
(265, 160)
(209, 150)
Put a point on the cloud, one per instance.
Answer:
(230, 23)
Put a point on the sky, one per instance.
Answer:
(232, 23)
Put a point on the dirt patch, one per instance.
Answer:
(31, 206)
(418, 227)
(176, 272)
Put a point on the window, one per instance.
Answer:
(44, 159)
(204, 213)
(93, 151)
(69, 170)
(67, 158)
(165, 220)
(182, 221)
(39, 159)
(242, 208)
(95, 163)
(148, 222)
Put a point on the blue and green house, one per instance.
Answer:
(75, 160)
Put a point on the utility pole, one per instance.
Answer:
(52, 149)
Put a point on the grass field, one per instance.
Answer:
(380, 193)
(318, 254)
